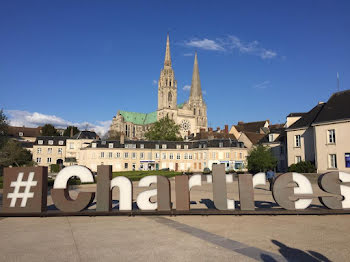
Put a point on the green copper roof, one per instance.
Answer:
(180, 105)
(139, 118)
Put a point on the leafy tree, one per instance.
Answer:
(302, 167)
(164, 129)
(261, 159)
(49, 130)
(113, 135)
(3, 128)
(68, 130)
(12, 154)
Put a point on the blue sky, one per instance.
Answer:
(80, 61)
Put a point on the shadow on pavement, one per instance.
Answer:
(294, 254)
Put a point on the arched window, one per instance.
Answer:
(199, 112)
(194, 111)
(170, 83)
(170, 98)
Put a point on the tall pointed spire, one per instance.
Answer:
(196, 90)
(167, 60)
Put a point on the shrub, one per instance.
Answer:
(302, 167)
(54, 168)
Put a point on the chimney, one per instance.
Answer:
(218, 128)
(226, 129)
(210, 129)
(122, 138)
(240, 122)
(71, 131)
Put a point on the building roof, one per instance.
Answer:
(254, 137)
(337, 108)
(296, 114)
(25, 131)
(51, 140)
(250, 126)
(139, 118)
(180, 105)
(86, 135)
(308, 118)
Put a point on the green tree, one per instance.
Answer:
(113, 135)
(261, 159)
(3, 128)
(302, 167)
(68, 130)
(49, 130)
(164, 129)
(12, 154)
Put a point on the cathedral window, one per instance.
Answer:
(170, 83)
(170, 98)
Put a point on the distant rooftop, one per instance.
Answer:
(139, 118)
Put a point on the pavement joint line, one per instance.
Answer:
(238, 247)
(75, 243)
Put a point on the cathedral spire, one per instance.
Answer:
(196, 90)
(167, 60)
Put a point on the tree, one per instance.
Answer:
(302, 167)
(113, 135)
(261, 159)
(164, 129)
(12, 154)
(3, 128)
(49, 130)
(68, 130)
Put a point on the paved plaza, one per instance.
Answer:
(178, 238)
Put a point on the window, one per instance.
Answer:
(133, 155)
(126, 155)
(189, 156)
(102, 155)
(297, 141)
(157, 146)
(178, 156)
(60, 142)
(213, 155)
(185, 146)
(49, 160)
(110, 145)
(20, 133)
(171, 156)
(142, 146)
(164, 146)
(270, 137)
(71, 145)
(221, 144)
(126, 146)
(200, 146)
(110, 155)
(40, 142)
(38, 160)
(93, 145)
(227, 154)
(185, 156)
(331, 136)
(50, 142)
(117, 155)
(347, 159)
(59, 151)
(240, 155)
(133, 145)
(103, 142)
(126, 165)
(178, 146)
(157, 155)
(332, 161)
(297, 159)
(195, 156)
(133, 166)
(38, 150)
(204, 155)
(49, 150)
(142, 155)
(163, 155)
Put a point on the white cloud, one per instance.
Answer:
(188, 54)
(262, 85)
(232, 42)
(206, 44)
(28, 119)
(186, 88)
(155, 82)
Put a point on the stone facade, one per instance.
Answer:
(191, 115)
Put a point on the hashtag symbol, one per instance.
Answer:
(26, 194)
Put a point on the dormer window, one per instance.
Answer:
(20, 134)
(50, 142)
(40, 142)
(270, 137)
(93, 145)
(60, 142)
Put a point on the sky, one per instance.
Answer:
(79, 62)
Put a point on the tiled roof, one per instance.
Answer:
(250, 126)
(296, 114)
(180, 105)
(27, 131)
(254, 137)
(306, 120)
(337, 108)
(139, 118)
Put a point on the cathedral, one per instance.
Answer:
(190, 115)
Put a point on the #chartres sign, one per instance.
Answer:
(25, 192)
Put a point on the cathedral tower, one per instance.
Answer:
(167, 87)
(196, 102)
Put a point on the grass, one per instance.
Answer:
(137, 175)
